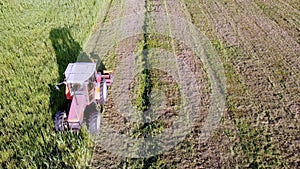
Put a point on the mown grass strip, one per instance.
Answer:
(256, 142)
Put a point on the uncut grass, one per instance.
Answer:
(38, 40)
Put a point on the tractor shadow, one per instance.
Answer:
(67, 50)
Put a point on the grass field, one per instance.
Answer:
(38, 40)
(257, 41)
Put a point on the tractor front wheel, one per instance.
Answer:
(59, 121)
(93, 122)
(103, 92)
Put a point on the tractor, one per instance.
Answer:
(86, 91)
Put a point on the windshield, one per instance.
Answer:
(86, 88)
(77, 88)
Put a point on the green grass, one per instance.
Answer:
(38, 40)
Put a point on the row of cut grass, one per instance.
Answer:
(255, 141)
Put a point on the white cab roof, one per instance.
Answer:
(79, 72)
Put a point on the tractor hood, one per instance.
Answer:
(79, 72)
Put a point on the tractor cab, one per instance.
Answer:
(80, 80)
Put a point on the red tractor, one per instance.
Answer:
(84, 88)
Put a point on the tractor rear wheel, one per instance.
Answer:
(93, 122)
(59, 121)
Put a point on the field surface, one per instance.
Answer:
(38, 40)
(256, 42)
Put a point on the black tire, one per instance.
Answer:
(93, 122)
(59, 121)
(103, 92)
